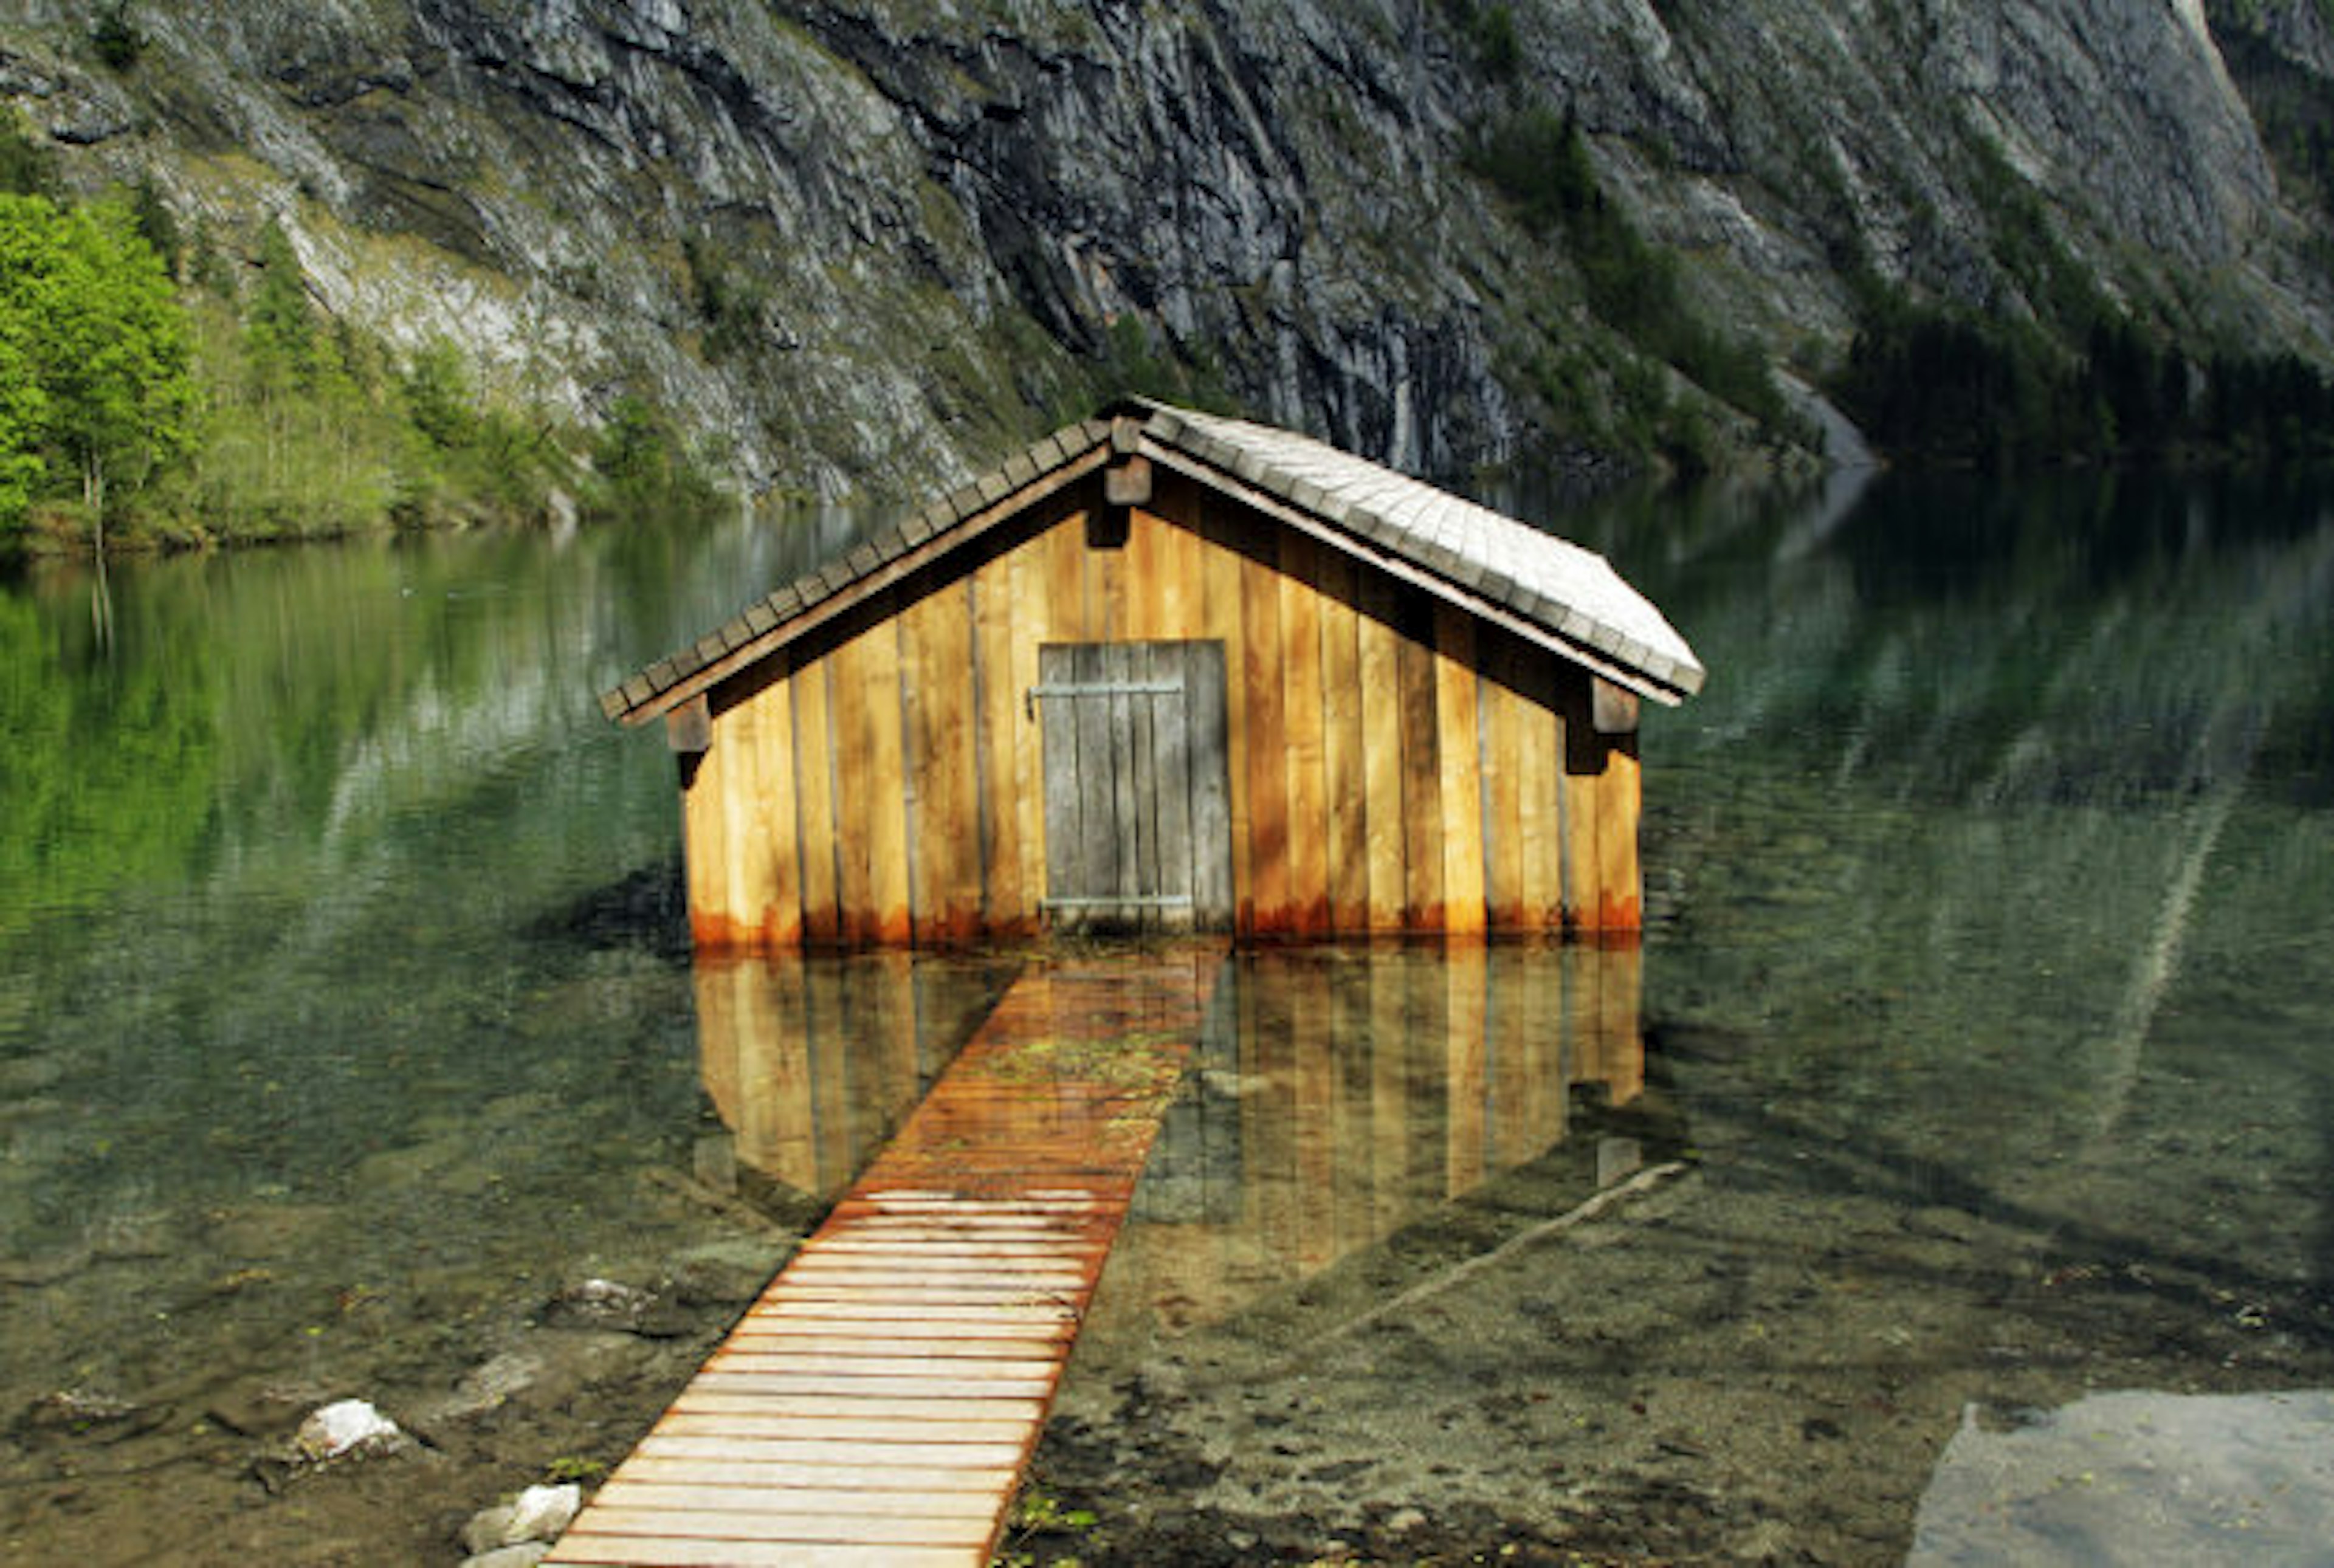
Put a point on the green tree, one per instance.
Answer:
(90, 308)
(282, 347)
(23, 418)
(438, 395)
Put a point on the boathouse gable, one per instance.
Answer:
(1168, 671)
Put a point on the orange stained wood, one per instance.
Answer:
(878, 1403)
(1391, 766)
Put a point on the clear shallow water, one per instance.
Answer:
(341, 1032)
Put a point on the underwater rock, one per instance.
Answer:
(81, 1412)
(599, 1304)
(257, 1411)
(725, 1273)
(494, 1383)
(606, 1303)
(537, 1515)
(347, 1428)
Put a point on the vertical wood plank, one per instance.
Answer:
(1063, 798)
(1170, 764)
(1031, 627)
(1000, 757)
(742, 882)
(1499, 714)
(778, 912)
(1344, 757)
(705, 849)
(1132, 782)
(887, 784)
(1263, 669)
(1065, 548)
(1619, 801)
(1139, 582)
(1213, 842)
(1579, 808)
(1385, 818)
(1106, 583)
(1305, 756)
(853, 704)
(948, 830)
(813, 769)
(923, 697)
(1222, 598)
(1422, 781)
(1174, 554)
(1099, 769)
(1459, 750)
(1539, 751)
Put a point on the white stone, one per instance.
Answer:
(336, 1428)
(541, 1513)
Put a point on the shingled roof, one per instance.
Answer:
(1565, 598)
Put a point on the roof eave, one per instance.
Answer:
(1346, 535)
(908, 548)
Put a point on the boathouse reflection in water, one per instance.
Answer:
(1337, 1094)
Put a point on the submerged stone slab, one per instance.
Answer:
(2137, 1478)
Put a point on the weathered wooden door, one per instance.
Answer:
(1138, 797)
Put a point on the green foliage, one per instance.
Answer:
(2025, 243)
(438, 398)
(1136, 363)
(281, 344)
(731, 303)
(1490, 31)
(156, 224)
(643, 467)
(116, 38)
(1042, 1530)
(569, 1467)
(27, 168)
(87, 309)
(1942, 384)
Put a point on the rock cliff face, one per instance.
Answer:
(868, 244)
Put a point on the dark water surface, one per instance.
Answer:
(1983, 1014)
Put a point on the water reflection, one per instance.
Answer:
(812, 1062)
(1342, 1094)
(1336, 1095)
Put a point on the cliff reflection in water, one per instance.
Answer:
(1337, 1094)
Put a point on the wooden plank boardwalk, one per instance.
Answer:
(877, 1404)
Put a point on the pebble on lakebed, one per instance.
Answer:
(347, 1428)
(537, 1515)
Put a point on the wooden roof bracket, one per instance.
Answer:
(1125, 485)
(1612, 708)
(689, 728)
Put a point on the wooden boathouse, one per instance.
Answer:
(1161, 672)
(1165, 670)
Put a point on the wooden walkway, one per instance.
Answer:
(877, 1404)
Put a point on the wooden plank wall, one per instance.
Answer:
(1394, 764)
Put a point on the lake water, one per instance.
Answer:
(1979, 1056)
